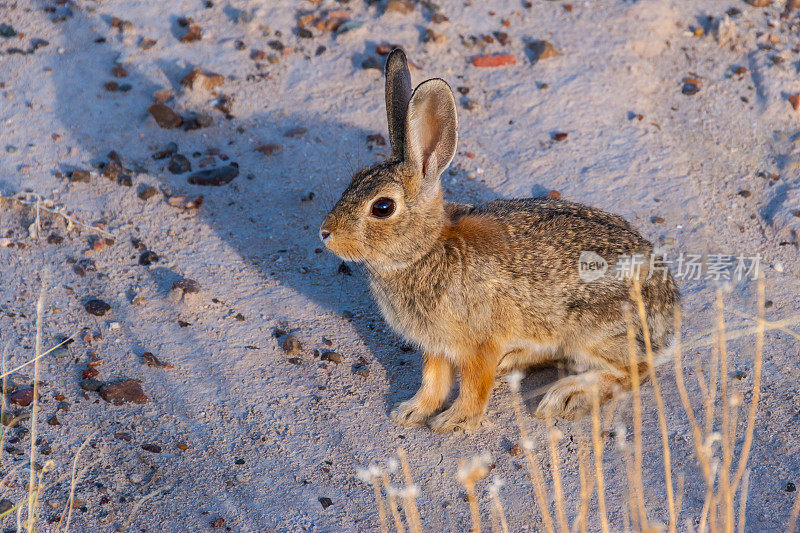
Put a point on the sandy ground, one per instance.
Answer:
(265, 438)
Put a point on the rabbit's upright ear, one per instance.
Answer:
(398, 94)
(431, 129)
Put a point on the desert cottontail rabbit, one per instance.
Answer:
(492, 287)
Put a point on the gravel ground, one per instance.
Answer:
(678, 116)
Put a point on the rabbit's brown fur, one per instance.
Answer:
(488, 288)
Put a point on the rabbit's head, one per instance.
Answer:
(392, 212)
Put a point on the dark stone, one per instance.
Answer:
(147, 192)
(690, 89)
(7, 31)
(165, 152)
(96, 307)
(325, 502)
(22, 397)
(179, 164)
(165, 116)
(78, 174)
(125, 391)
(91, 384)
(215, 176)
(333, 357)
(148, 257)
(187, 285)
(292, 345)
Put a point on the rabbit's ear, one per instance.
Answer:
(398, 94)
(431, 129)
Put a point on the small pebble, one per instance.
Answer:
(179, 164)
(291, 345)
(147, 192)
(333, 357)
(148, 257)
(96, 307)
(125, 391)
(543, 50)
(165, 116)
(214, 176)
(91, 384)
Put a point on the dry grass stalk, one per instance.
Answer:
(39, 205)
(497, 505)
(534, 468)
(379, 502)
(636, 487)
(390, 496)
(32, 485)
(587, 485)
(139, 504)
(75, 478)
(36, 358)
(371, 476)
(414, 523)
(744, 455)
(598, 460)
(553, 436)
(469, 473)
(662, 418)
(727, 453)
(743, 499)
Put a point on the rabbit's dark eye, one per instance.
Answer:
(383, 207)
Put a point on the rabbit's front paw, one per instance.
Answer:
(568, 398)
(453, 419)
(409, 413)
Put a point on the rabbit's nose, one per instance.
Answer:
(324, 234)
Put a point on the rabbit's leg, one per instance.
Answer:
(571, 397)
(437, 380)
(477, 378)
(608, 370)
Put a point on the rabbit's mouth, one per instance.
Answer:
(342, 248)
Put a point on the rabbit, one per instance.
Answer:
(489, 288)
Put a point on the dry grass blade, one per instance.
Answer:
(534, 468)
(725, 473)
(376, 488)
(598, 460)
(39, 205)
(757, 368)
(35, 359)
(587, 485)
(467, 479)
(73, 483)
(32, 485)
(743, 500)
(398, 520)
(139, 504)
(497, 505)
(415, 524)
(553, 436)
(662, 417)
(637, 487)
